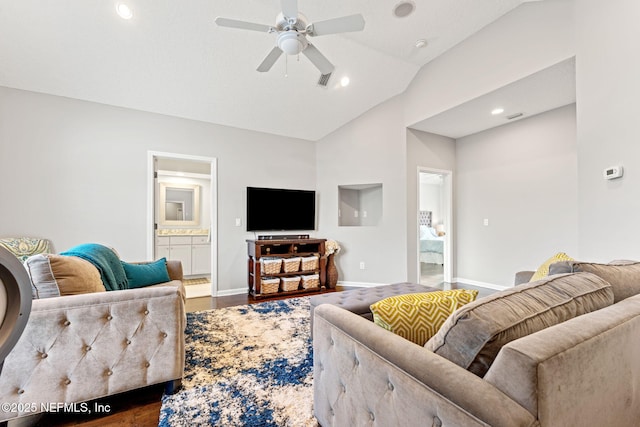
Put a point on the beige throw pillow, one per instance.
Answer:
(70, 275)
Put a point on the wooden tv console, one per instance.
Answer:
(286, 248)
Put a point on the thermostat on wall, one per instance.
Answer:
(613, 172)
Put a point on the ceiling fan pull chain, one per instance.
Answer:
(286, 65)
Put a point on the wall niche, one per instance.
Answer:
(359, 205)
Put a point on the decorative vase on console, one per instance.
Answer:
(331, 249)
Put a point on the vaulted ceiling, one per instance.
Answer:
(171, 58)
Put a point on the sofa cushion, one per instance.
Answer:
(417, 317)
(56, 275)
(146, 274)
(543, 270)
(473, 335)
(623, 275)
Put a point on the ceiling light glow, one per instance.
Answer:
(497, 111)
(124, 11)
(344, 82)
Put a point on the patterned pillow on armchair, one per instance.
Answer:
(24, 247)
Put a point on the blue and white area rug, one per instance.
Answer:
(249, 365)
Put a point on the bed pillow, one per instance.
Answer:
(417, 317)
(57, 275)
(146, 274)
(543, 270)
(473, 335)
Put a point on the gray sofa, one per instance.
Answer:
(583, 370)
(83, 347)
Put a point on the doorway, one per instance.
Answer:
(434, 227)
(182, 217)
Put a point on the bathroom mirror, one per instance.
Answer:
(179, 204)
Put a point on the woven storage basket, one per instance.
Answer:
(310, 281)
(290, 283)
(290, 265)
(309, 263)
(269, 285)
(271, 265)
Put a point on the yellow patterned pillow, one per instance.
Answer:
(543, 270)
(417, 317)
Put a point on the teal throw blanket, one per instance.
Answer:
(105, 260)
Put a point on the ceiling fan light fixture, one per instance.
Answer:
(291, 42)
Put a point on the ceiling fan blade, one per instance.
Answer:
(318, 59)
(233, 23)
(345, 24)
(271, 59)
(290, 9)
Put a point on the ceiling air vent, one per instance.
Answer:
(324, 80)
(515, 116)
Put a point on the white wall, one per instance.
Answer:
(431, 200)
(522, 177)
(528, 39)
(430, 151)
(608, 88)
(368, 150)
(76, 172)
(70, 198)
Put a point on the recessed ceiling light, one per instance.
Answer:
(497, 111)
(344, 82)
(404, 9)
(124, 11)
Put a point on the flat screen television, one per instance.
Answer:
(277, 209)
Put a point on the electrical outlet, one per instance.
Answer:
(361, 265)
(364, 214)
(486, 221)
(355, 214)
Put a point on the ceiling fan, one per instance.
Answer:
(293, 28)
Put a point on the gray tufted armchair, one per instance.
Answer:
(83, 347)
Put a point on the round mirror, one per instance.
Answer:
(15, 301)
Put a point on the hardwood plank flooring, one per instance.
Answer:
(141, 408)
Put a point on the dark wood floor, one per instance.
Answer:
(141, 408)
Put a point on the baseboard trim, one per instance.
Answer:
(480, 284)
(361, 284)
(229, 292)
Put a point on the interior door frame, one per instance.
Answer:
(447, 216)
(151, 213)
